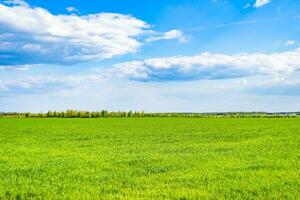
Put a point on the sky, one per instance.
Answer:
(150, 55)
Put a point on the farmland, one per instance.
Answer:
(149, 158)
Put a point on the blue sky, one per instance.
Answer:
(179, 55)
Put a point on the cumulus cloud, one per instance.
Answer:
(210, 66)
(260, 3)
(170, 35)
(31, 35)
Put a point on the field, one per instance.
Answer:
(149, 158)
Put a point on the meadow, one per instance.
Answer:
(149, 158)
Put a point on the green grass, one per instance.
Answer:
(149, 158)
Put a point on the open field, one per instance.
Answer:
(143, 158)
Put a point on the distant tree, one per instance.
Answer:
(104, 113)
(50, 114)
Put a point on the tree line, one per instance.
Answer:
(107, 114)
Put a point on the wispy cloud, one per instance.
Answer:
(16, 2)
(72, 9)
(170, 35)
(260, 3)
(248, 5)
(276, 86)
(290, 42)
(47, 83)
(15, 67)
(237, 23)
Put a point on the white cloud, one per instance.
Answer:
(210, 66)
(170, 35)
(290, 42)
(33, 35)
(72, 9)
(260, 3)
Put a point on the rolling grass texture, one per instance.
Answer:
(149, 158)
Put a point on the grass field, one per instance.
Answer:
(149, 158)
